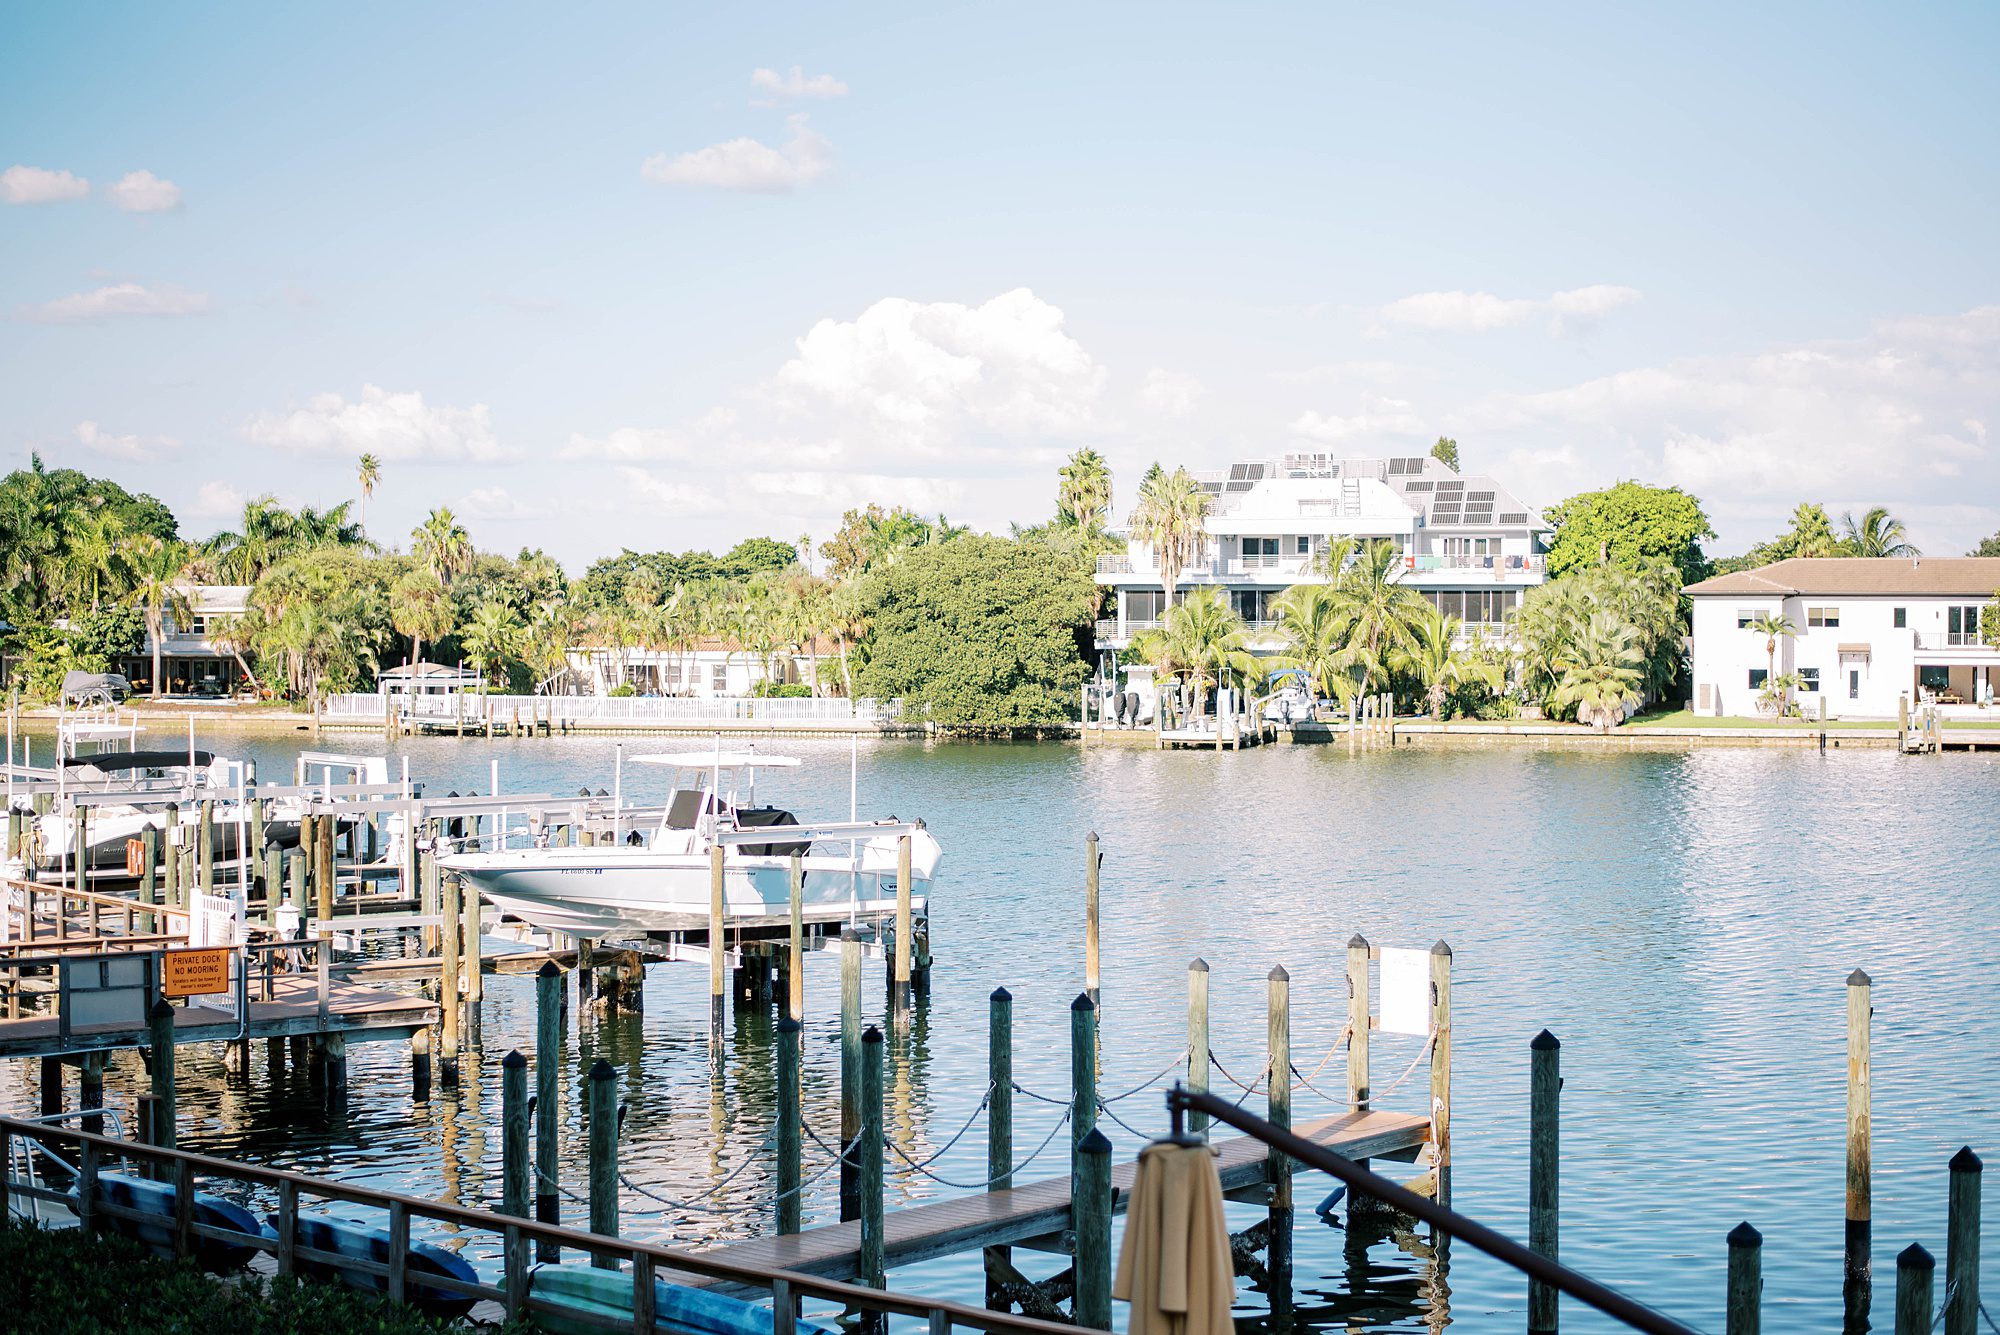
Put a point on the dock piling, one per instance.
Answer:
(1915, 1272)
(603, 1156)
(999, 1122)
(475, 986)
(872, 1262)
(716, 982)
(1082, 1079)
(790, 1147)
(1092, 1216)
(514, 1134)
(420, 1065)
(1961, 1248)
(1092, 862)
(160, 1021)
(548, 1102)
(90, 1090)
(449, 999)
(1441, 1071)
(900, 997)
(850, 1073)
(795, 971)
(1746, 1281)
(1857, 1284)
(1358, 1012)
(1198, 1051)
(1278, 1167)
(1545, 1176)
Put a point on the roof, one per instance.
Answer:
(1862, 576)
(424, 670)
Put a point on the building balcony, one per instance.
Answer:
(1955, 642)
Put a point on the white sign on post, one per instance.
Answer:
(1406, 991)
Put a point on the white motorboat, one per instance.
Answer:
(637, 880)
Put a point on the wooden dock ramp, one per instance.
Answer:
(1023, 1215)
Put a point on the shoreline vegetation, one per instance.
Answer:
(976, 634)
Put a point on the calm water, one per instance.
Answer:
(1683, 922)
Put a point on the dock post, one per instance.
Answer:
(603, 1156)
(999, 1121)
(204, 842)
(1746, 1282)
(295, 875)
(548, 1099)
(1092, 861)
(1857, 1284)
(149, 868)
(871, 1267)
(274, 883)
(1278, 1166)
(586, 973)
(429, 899)
(52, 1086)
(1082, 1078)
(1359, 1010)
(789, 1148)
(716, 982)
(1961, 1246)
(850, 1073)
(1441, 1071)
(448, 991)
(795, 972)
(1198, 1052)
(1914, 1274)
(160, 1026)
(475, 984)
(1545, 1177)
(1092, 1217)
(170, 828)
(90, 1090)
(333, 1050)
(514, 1134)
(900, 995)
(420, 1066)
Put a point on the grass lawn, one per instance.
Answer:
(1687, 718)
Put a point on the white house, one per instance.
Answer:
(1868, 634)
(414, 682)
(708, 669)
(191, 661)
(1468, 545)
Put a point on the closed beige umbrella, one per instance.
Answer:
(1175, 1269)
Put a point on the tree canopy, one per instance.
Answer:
(984, 634)
(1446, 452)
(1631, 525)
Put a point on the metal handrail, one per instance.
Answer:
(1441, 1217)
(647, 1258)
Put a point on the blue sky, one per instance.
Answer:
(592, 281)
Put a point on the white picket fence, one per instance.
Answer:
(560, 709)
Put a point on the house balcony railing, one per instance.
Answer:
(1932, 641)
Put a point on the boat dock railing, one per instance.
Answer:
(519, 1238)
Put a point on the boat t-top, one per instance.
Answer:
(656, 875)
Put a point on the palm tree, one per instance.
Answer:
(490, 638)
(1772, 625)
(1378, 610)
(441, 543)
(1200, 640)
(1172, 519)
(159, 572)
(420, 608)
(1085, 491)
(1432, 655)
(369, 474)
(1315, 634)
(1876, 534)
(236, 632)
(1602, 678)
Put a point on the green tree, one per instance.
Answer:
(442, 543)
(1431, 656)
(981, 634)
(1446, 452)
(160, 574)
(1377, 609)
(369, 473)
(1315, 631)
(1989, 621)
(490, 639)
(1987, 547)
(1601, 682)
(1876, 534)
(1084, 492)
(1773, 626)
(1811, 534)
(1201, 641)
(1627, 525)
(269, 535)
(754, 556)
(420, 608)
(1172, 519)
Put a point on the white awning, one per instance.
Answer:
(1855, 651)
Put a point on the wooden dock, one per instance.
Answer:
(1040, 1211)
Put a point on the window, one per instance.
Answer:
(1934, 678)
(1817, 617)
(1145, 604)
(1305, 545)
(1744, 616)
(197, 625)
(1854, 680)
(719, 678)
(1251, 604)
(1260, 551)
(1961, 625)
(1758, 676)
(1902, 618)
(1808, 681)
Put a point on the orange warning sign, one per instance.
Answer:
(195, 973)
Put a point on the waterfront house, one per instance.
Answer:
(1467, 544)
(709, 668)
(1868, 635)
(414, 683)
(191, 662)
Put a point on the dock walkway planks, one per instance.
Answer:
(998, 1218)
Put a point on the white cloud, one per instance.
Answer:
(1897, 417)
(666, 500)
(1481, 312)
(1170, 393)
(939, 379)
(38, 185)
(119, 299)
(143, 192)
(499, 504)
(1378, 418)
(218, 501)
(773, 87)
(132, 449)
(395, 426)
(630, 444)
(748, 165)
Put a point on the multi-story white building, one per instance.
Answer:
(1467, 543)
(191, 662)
(711, 668)
(1867, 635)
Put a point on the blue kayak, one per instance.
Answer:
(370, 1242)
(157, 1199)
(591, 1292)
